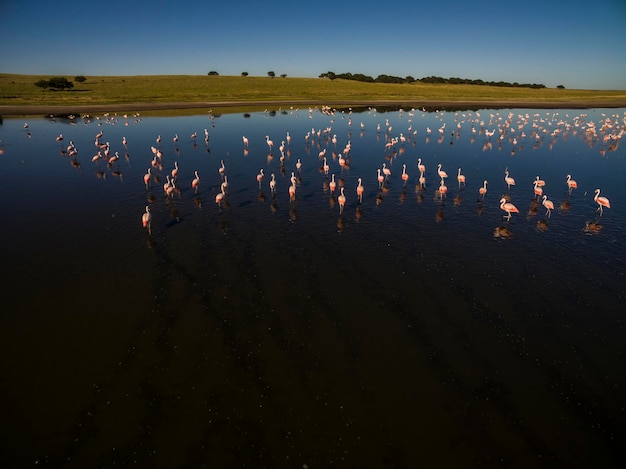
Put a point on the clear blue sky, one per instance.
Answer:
(575, 43)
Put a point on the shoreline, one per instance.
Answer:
(41, 109)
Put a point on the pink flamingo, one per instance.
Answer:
(196, 182)
(571, 184)
(508, 207)
(509, 180)
(483, 190)
(548, 205)
(359, 190)
(342, 201)
(259, 177)
(146, 219)
(146, 177)
(405, 176)
(460, 177)
(601, 201)
(332, 185)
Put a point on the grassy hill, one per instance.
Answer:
(156, 90)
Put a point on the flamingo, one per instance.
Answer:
(158, 139)
(146, 219)
(386, 170)
(332, 185)
(538, 190)
(325, 167)
(112, 160)
(508, 207)
(60, 138)
(601, 201)
(220, 196)
(342, 201)
(222, 169)
(442, 189)
(225, 183)
(420, 166)
(380, 178)
(245, 141)
(483, 190)
(269, 142)
(422, 180)
(175, 170)
(359, 190)
(273, 183)
(292, 191)
(548, 205)
(259, 177)
(460, 177)
(298, 165)
(442, 173)
(540, 182)
(146, 177)
(196, 182)
(571, 184)
(175, 139)
(509, 180)
(405, 176)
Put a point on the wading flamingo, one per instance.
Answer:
(509, 180)
(508, 207)
(359, 190)
(601, 201)
(146, 219)
(548, 205)
(483, 190)
(571, 184)
(342, 201)
(196, 182)
(460, 177)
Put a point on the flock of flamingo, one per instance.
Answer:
(609, 133)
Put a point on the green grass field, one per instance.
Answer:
(19, 90)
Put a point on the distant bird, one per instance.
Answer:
(508, 207)
(273, 183)
(245, 140)
(146, 177)
(386, 170)
(537, 190)
(175, 170)
(270, 143)
(342, 201)
(442, 174)
(60, 138)
(220, 196)
(196, 182)
(405, 176)
(175, 139)
(421, 168)
(259, 177)
(601, 201)
(292, 191)
(509, 180)
(460, 177)
(483, 190)
(332, 184)
(146, 220)
(222, 168)
(571, 184)
(298, 165)
(540, 182)
(548, 205)
(359, 190)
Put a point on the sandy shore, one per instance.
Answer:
(8, 110)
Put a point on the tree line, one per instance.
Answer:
(430, 79)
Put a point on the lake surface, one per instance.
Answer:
(413, 328)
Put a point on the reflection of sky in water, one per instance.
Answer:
(283, 321)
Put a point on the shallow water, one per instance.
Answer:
(409, 328)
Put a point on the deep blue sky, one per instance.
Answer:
(575, 43)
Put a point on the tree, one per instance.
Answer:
(56, 83)
(213, 73)
(283, 75)
(271, 74)
(244, 74)
(560, 87)
(80, 79)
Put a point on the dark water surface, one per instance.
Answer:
(408, 330)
